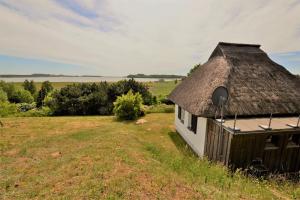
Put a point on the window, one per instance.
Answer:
(194, 123)
(272, 142)
(181, 114)
(194, 120)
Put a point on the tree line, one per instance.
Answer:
(73, 99)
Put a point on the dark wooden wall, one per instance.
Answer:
(217, 144)
(283, 157)
(240, 149)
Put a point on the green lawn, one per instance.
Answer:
(101, 158)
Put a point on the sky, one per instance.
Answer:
(120, 37)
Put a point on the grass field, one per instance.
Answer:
(56, 85)
(162, 89)
(101, 158)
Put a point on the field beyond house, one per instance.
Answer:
(101, 158)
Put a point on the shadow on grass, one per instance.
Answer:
(181, 145)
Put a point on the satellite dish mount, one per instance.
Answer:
(219, 99)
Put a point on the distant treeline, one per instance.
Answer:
(41, 75)
(154, 76)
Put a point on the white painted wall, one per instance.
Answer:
(196, 141)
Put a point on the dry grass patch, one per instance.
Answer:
(101, 158)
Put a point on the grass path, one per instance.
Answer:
(98, 157)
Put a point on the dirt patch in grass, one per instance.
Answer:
(11, 152)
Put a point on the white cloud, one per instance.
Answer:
(157, 36)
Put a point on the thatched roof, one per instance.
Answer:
(256, 84)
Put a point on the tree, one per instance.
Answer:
(47, 86)
(22, 96)
(45, 89)
(128, 106)
(194, 69)
(29, 86)
(122, 87)
(82, 99)
(95, 98)
(8, 88)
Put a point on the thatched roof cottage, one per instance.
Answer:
(257, 88)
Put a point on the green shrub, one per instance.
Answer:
(49, 101)
(159, 108)
(22, 96)
(41, 112)
(24, 107)
(7, 109)
(91, 99)
(3, 96)
(81, 99)
(129, 106)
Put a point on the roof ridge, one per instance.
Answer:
(238, 44)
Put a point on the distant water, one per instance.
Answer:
(79, 79)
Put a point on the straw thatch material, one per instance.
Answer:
(256, 84)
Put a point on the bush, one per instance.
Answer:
(21, 96)
(129, 106)
(24, 107)
(3, 96)
(82, 99)
(93, 99)
(42, 112)
(7, 109)
(49, 101)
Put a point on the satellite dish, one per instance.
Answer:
(220, 96)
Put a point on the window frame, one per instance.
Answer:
(189, 122)
(180, 114)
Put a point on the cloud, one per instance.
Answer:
(117, 37)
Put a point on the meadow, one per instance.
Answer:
(101, 158)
